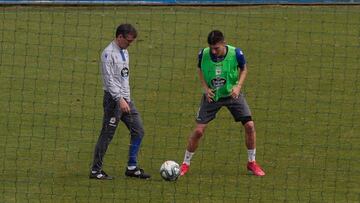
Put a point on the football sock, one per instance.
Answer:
(251, 155)
(131, 167)
(133, 150)
(188, 156)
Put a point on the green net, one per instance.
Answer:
(303, 88)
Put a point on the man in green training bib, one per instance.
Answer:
(222, 71)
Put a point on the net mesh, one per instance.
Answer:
(303, 89)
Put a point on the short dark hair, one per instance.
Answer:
(215, 37)
(125, 30)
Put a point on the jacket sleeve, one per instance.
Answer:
(240, 58)
(108, 74)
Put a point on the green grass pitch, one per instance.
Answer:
(303, 88)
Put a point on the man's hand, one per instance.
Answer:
(124, 106)
(209, 94)
(235, 92)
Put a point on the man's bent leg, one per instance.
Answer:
(134, 124)
(250, 135)
(250, 140)
(195, 136)
(193, 143)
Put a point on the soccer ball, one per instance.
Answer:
(170, 170)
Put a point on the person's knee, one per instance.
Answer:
(138, 132)
(109, 131)
(249, 127)
(107, 134)
(141, 132)
(199, 132)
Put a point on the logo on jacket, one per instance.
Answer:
(125, 72)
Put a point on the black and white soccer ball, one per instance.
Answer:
(170, 170)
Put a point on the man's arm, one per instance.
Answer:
(108, 78)
(242, 76)
(242, 73)
(208, 91)
(107, 67)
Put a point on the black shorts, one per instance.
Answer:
(238, 108)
